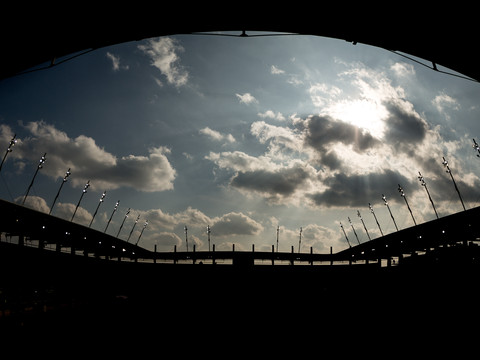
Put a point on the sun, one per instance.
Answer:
(366, 114)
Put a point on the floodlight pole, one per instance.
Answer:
(141, 232)
(424, 184)
(300, 240)
(67, 174)
(133, 227)
(9, 150)
(375, 216)
(390, 211)
(351, 224)
(360, 216)
(402, 194)
(445, 164)
(278, 231)
(111, 216)
(208, 236)
(123, 222)
(40, 165)
(346, 237)
(81, 197)
(98, 206)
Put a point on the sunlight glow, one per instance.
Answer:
(368, 115)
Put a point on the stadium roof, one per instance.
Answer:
(40, 34)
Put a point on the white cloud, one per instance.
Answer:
(167, 240)
(216, 135)
(269, 114)
(116, 62)
(88, 161)
(164, 55)
(444, 101)
(403, 69)
(320, 237)
(66, 210)
(144, 173)
(164, 228)
(322, 94)
(279, 137)
(235, 223)
(247, 98)
(276, 71)
(240, 161)
(34, 202)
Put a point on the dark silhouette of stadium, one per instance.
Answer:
(59, 276)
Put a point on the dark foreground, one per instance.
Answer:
(60, 296)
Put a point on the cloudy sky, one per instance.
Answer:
(243, 135)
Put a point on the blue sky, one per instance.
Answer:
(243, 135)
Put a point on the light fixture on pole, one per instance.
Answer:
(141, 232)
(363, 222)
(186, 236)
(67, 174)
(9, 150)
(346, 237)
(98, 206)
(278, 231)
(375, 216)
(475, 146)
(402, 194)
(123, 222)
(351, 224)
(390, 211)
(445, 164)
(40, 165)
(84, 191)
(208, 236)
(133, 227)
(300, 240)
(424, 184)
(111, 216)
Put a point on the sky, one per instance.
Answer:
(244, 135)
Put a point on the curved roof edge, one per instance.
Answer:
(34, 36)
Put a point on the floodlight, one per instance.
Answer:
(9, 150)
(402, 194)
(445, 164)
(84, 191)
(424, 184)
(390, 211)
(65, 177)
(98, 206)
(40, 165)
(363, 222)
(375, 216)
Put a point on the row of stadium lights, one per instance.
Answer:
(402, 194)
(84, 191)
(400, 190)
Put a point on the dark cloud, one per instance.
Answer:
(358, 190)
(404, 126)
(321, 131)
(282, 182)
